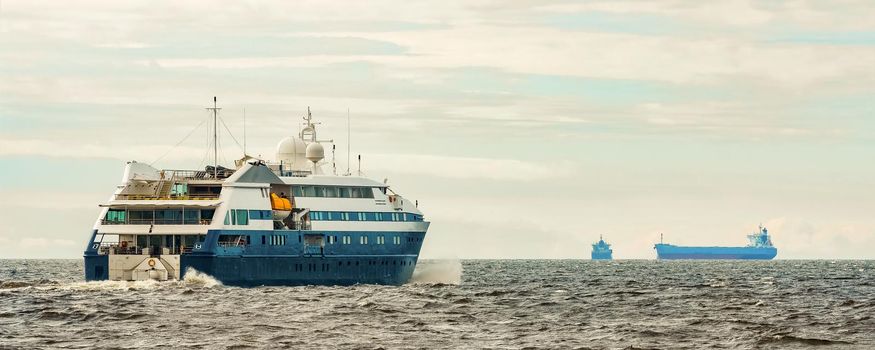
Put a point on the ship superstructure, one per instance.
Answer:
(759, 248)
(262, 223)
(601, 250)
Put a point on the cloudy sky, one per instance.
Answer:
(525, 128)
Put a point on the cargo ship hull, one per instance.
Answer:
(601, 256)
(673, 252)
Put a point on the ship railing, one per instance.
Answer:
(157, 222)
(292, 173)
(298, 225)
(186, 197)
(280, 169)
(116, 249)
(177, 174)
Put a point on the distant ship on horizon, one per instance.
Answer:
(759, 248)
(601, 250)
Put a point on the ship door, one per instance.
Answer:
(314, 245)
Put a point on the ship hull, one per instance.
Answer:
(673, 252)
(601, 256)
(301, 271)
(294, 262)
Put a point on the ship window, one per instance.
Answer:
(278, 240)
(345, 216)
(260, 215)
(168, 217)
(320, 191)
(333, 215)
(385, 216)
(308, 191)
(115, 216)
(227, 218)
(141, 217)
(367, 192)
(179, 189)
(233, 240)
(242, 217)
(330, 192)
(207, 214)
(297, 192)
(191, 216)
(356, 192)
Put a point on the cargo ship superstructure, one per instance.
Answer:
(262, 223)
(601, 250)
(759, 248)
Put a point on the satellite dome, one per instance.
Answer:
(290, 145)
(315, 152)
(290, 151)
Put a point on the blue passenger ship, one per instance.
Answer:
(759, 248)
(282, 223)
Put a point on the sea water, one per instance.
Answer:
(501, 304)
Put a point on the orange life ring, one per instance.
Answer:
(151, 262)
(124, 244)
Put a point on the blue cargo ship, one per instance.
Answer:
(759, 248)
(295, 221)
(601, 250)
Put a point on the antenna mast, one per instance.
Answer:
(347, 141)
(215, 111)
(244, 131)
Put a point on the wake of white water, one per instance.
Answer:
(445, 271)
(109, 285)
(195, 278)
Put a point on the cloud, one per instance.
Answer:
(50, 148)
(50, 200)
(467, 167)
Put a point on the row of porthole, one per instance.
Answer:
(384, 262)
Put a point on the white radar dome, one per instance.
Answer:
(291, 151)
(315, 152)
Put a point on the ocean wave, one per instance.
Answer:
(438, 272)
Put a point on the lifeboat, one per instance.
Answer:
(281, 207)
